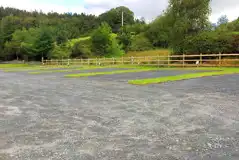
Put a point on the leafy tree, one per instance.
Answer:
(115, 50)
(101, 40)
(8, 25)
(187, 17)
(125, 38)
(114, 17)
(159, 32)
(222, 20)
(60, 51)
(43, 44)
(82, 49)
(140, 43)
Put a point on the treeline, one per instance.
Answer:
(183, 27)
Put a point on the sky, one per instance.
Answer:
(149, 9)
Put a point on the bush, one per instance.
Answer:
(209, 42)
(81, 49)
(115, 50)
(140, 43)
(60, 51)
(101, 40)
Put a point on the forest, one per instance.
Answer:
(183, 27)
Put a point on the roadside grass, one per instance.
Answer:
(66, 70)
(220, 71)
(37, 67)
(89, 68)
(5, 66)
(106, 73)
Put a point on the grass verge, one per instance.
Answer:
(5, 66)
(105, 73)
(224, 71)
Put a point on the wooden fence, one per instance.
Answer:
(202, 60)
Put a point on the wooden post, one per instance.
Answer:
(200, 59)
(158, 61)
(220, 59)
(42, 60)
(68, 63)
(183, 60)
(132, 60)
(168, 60)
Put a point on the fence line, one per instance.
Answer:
(221, 60)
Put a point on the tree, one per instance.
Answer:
(44, 44)
(187, 17)
(114, 17)
(101, 40)
(222, 20)
(82, 49)
(140, 43)
(159, 32)
(125, 38)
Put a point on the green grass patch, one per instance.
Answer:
(222, 71)
(5, 66)
(67, 70)
(106, 73)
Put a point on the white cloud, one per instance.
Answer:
(142, 8)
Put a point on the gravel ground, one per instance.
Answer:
(44, 117)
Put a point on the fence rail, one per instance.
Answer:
(201, 60)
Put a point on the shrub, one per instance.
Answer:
(82, 49)
(140, 43)
(101, 40)
(209, 42)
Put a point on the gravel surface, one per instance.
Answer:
(44, 117)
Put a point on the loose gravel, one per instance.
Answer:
(50, 117)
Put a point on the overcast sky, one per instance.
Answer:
(142, 8)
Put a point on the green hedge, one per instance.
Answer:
(210, 42)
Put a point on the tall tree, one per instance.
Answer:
(188, 17)
(114, 17)
(222, 20)
(101, 40)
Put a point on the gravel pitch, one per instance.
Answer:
(43, 117)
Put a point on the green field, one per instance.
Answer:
(106, 73)
(221, 71)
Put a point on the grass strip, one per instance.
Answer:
(181, 77)
(106, 73)
(67, 70)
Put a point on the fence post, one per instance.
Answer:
(200, 59)
(168, 60)
(158, 61)
(220, 59)
(132, 60)
(42, 61)
(68, 62)
(183, 60)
